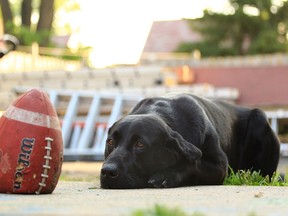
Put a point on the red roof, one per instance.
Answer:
(258, 86)
(165, 36)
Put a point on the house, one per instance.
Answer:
(264, 87)
(261, 80)
(166, 36)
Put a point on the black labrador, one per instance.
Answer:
(186, 140)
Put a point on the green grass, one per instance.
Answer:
(82, 177)
(161, 210)
(253, 179)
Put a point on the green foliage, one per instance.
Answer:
(25, 35)
(241, 31)
(160, 210)
(28, 34)
(254, 178)
(264, 38)
(207, 49)
(67, 5)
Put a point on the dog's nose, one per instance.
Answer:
(109, 171)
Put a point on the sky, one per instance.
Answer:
(117, 29)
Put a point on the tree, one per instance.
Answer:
(26, 12)
(25, 31)
(6, 13)
(254, 26)
(46, 14)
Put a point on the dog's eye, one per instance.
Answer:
(110, 142)
(139, 145)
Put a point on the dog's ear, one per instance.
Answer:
(177, 143)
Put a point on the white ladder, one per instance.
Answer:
(85, 135)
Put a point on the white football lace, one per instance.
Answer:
(46, 166)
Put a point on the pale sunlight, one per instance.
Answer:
(117, 29)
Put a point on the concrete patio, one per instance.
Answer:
(74, 197)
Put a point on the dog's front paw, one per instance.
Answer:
(164, 180)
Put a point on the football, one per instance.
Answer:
(31, 146)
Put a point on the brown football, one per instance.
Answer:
(31, 146)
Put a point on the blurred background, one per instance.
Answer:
(96, 59)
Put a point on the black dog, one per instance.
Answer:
(186, 140)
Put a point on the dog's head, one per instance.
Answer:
(139, 146)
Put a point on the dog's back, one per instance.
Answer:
(244, 134)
